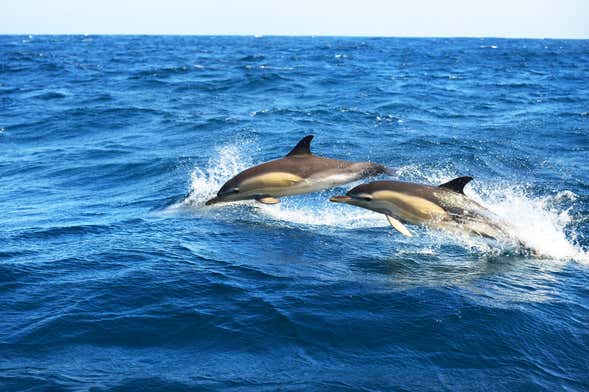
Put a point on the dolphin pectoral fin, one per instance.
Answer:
(399, 226)
(267, 200)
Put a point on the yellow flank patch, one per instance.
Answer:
(412, 206)
(270, 180)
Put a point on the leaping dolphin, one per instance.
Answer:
(444, 206)
(298, 172)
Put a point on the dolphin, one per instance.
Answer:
(445, 206)
(298, 172)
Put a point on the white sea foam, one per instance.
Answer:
(326, 214)
(227, 162)
(543, 224)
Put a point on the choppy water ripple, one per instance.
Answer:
(110, 279)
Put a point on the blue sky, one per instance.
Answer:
(447, 18)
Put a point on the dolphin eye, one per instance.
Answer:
(235, 190)
(366, 198)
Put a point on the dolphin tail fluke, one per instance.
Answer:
(399, 226)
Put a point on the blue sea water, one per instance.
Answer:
(112, 280)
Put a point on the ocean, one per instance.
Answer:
(111, 279)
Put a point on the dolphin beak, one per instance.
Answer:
(214, 200)
(340, 199)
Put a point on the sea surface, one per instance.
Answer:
(111, 279)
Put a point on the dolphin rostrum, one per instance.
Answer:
(298, 172)
(443, 206)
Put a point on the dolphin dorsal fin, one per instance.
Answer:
(303, 147)
(457, 184)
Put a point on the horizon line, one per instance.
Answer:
(296, 36)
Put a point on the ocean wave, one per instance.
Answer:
(50, 95)
(56, 232)
(253, 57)
(211, 85)
(161, 72)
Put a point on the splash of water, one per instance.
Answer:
(323, 214)
(229, 161)
(543, 224)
